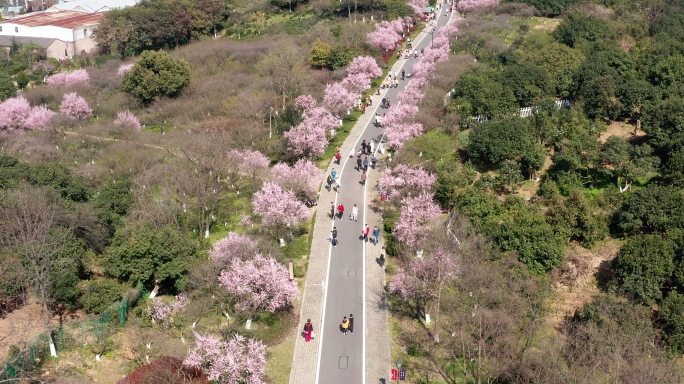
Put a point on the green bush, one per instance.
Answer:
(156, 74)
(100, 294)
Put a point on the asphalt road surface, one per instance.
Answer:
(342, 358)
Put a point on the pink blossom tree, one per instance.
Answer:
(385, 36)
(249, 162)
(235, 361)
(163, 312)
(364, 65)
(303, 177)
(418, 6)
(400, 133)
(75, 107)
(466, 6)
(405, 177)
(400, 113)
(304, 103)
(39, 118)
(424, 279)
(259, 284)
(232, 246)
(339, 99)
(127, 119)
(13, 113)
(17, 115)
(309, 138)
(357, 83)
(123, 68)
(418, 214)
(77, 76)
(411, 96)
(278, 207)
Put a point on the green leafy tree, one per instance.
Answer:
(550, 7)
(652, 209)
(100, 294)
(341, 56)
(22, 80)
(664, 124)
(626, 161)
(7, 88)
(156, 74)
(481, 92)
(498, 141)
(578, 27)
(670, 311)
(509, 175)
(559, 60)
(574, 219)
(112, 202)
(529, 83)
(320, 53)
(155, 256)
(643, 265)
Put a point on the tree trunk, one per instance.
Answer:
(48, 328)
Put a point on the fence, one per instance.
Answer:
(83, 333)
(525, 112)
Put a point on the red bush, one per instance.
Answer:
(165, 370)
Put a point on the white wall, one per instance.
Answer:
(64, 34)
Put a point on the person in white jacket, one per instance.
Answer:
(355, 213)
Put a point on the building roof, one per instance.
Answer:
(91, 6)
(63, 19)
(7, 41)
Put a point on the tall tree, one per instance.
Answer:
(29, 226)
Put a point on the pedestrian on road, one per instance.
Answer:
(366, 231)
(351, 323)
(373, 160)
(369, 102)
(329, 182)
(376, 235)
(372, 147)
(308, 330)
(383, 102)
(355, 213)
(359, 163)
(333, 174)
(337, 185)
(388, 103)
(363, 146)
(396, 83)
(345, 325)
(340, 209)
(338, 157)
(332, 211)
(334, 236)
(402, 74)
(363, 178)
(365, 164)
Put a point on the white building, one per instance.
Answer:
(91, 6)
(72, 32)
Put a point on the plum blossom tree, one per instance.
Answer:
(309, 137)
(278, 207)
(17, 114)
(418, 6)
(466, 6)
(417, 215)
(357, 83)
(411, 96)
(236, 361)
(77, 76)
(424, 280)
(386, 35)
(75, 107)
(304, 102)
(403, 176)
(259, 284)
(400, 133)
(249, 162)
(364, 65)
(127, 119)
(303, 177)
(163, 313)
(233, 246)
(123, 68)
(400, 113)
(338, 98)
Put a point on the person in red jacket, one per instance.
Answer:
(340, 209)
(308, 330)
(365, 232)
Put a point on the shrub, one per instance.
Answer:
(156, 74)
(75, 107)
(100, 294)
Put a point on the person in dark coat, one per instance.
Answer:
(308, 330)
(351, 323)
(334, 236)
(359, 163)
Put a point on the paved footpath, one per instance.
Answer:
(348, 279)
